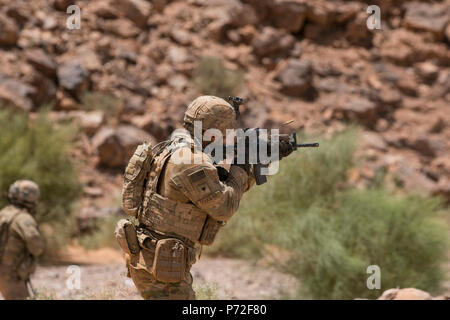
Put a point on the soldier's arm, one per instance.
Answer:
(29, 232)
(201, 184)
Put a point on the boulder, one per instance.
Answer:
(296, 78)
(115, 146)
(73, 77)
(136, 11)
(359, 109)
(427, 71)
(427, 17)
(62, 5)
(89, 121)
(272, 42)
(288, 15)
(158, 127)
(16, 93)
(104, 9)
(120, 27)
(41, 61)
(45, 89)
(9, 31)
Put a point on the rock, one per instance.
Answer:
(18, 13)
(405, 294)
(154, 125)
(120, 27)
(45, 89)
(412, 179)
(360, 110)
(408, 86)
(424, 145)
(272, 42)
(374, 140)
(90, 122)
(136, 11)
(16, 93)
(437, 126)
(159, 5)
(89, 59)
(116, 146)
(181, 36)
(41, 61)
(9, 31)
(104, 9)
(229, 15)
(65, 102)
(134, 104)
(427, 71)
(288, 15)
(73, 77)
(357, 31)
(296, 78)
(178, 82)
(62, 4)
(427, 17)
(177, 55)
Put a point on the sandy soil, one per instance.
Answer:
(105, 278)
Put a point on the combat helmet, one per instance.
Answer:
(24, 193)
(213, 112)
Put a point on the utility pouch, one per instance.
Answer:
(170, 261)
(210, 230)
(126, 237)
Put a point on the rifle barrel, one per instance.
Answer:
(308, 145)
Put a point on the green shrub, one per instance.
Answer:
(213, 78)
(37, 150)
(332, 233)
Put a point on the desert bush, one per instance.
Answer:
(211, 77)
(332, 232)
(37, 150)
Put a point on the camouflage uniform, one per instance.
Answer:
(23, 240)
(185, 202)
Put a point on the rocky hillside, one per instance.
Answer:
(312, 61)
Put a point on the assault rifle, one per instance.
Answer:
(287, 143)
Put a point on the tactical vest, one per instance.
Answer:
(158, 213)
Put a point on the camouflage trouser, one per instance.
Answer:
(12, 288)
(152, 289)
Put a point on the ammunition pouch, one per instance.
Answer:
(210, 230)
(127, 237)
(167, 259)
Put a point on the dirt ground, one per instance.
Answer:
(105, 278)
